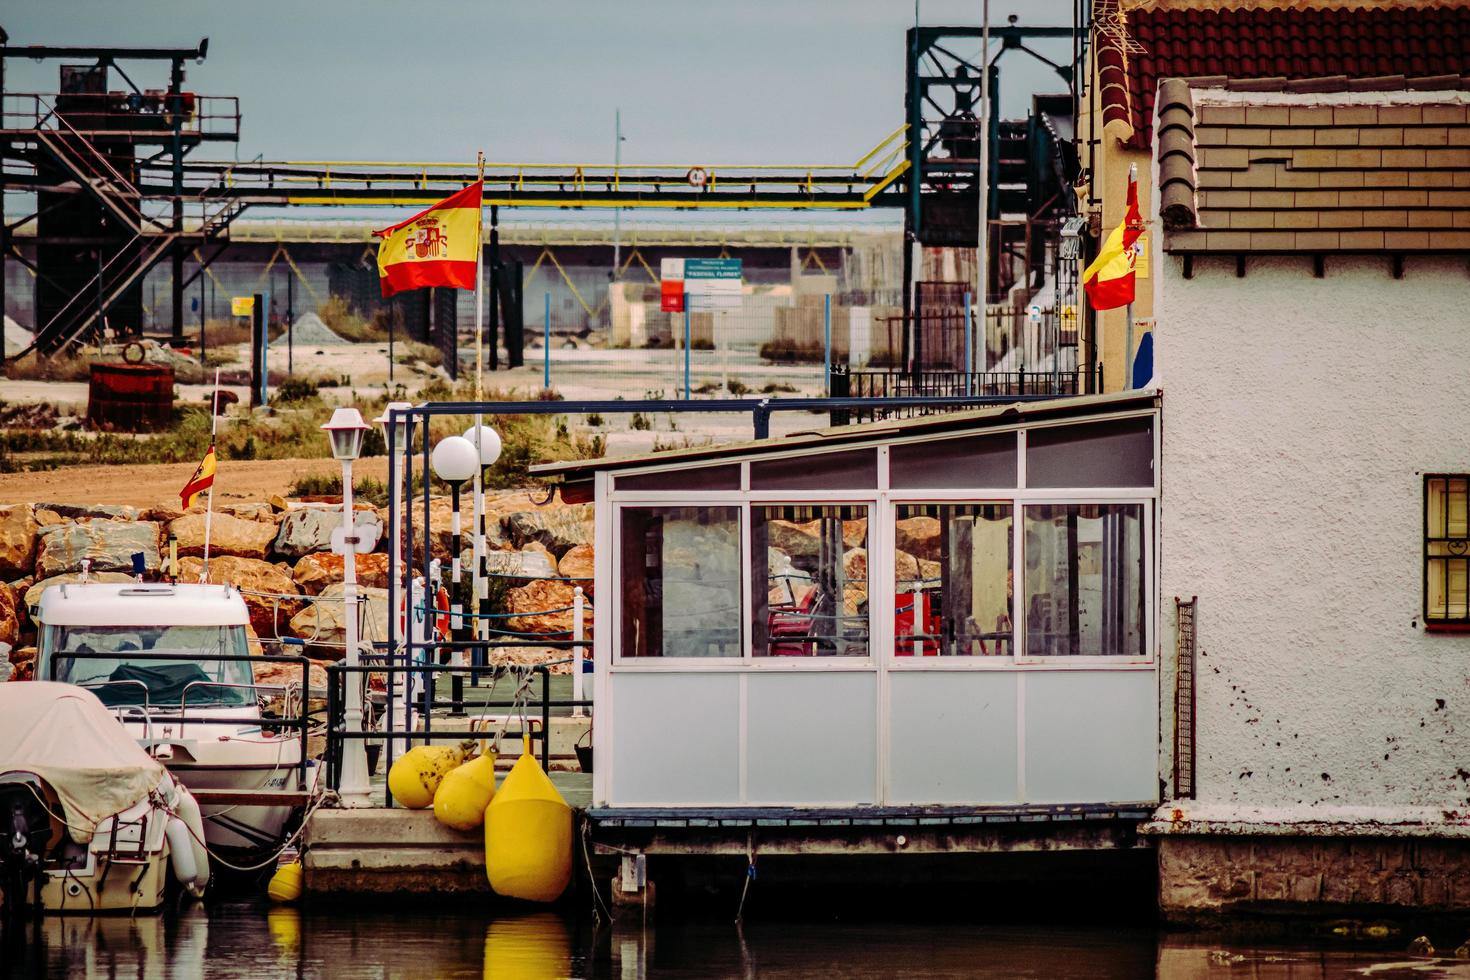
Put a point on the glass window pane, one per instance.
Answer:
(853, 470)
(814, 561)
(1119, 453)
(680, 572)
(972, 462)
(1084, 580)
(952, 566)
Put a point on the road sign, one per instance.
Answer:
(242, 305)
(671, 285)
(713, 284)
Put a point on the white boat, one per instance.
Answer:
(92, 823)
(160, 657)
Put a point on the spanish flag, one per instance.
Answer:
(201, 481)
(437, 247)
(1109, 279)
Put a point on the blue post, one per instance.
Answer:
(546, 346)
(969, 346)
(827, 343)
(686, 349)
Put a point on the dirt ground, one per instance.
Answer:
(158, 484)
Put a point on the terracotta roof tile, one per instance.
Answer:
(1312, 46)
(1397, 178)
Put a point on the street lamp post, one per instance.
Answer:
(397, 434)
(454, 461)
(487, 443)
(345, 430)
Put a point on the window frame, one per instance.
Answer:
(1439, 624)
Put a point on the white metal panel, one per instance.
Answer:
(1091, 736)
(952, 737)
(812, 738)
(677, 739)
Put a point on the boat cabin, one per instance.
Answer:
(953, 610)
(99, 635)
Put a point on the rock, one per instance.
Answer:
(919, 536)
(520, 564)
(560, 529)
(310, 529)
(109, 544)
(528, 601)
(315, 572)
(48, 518)
(33, 594)
(229, 536)
(251, 512)
(269, 616)
(281, 674)
(323, 626)
(108, 512)
(1421, 947)
(18, 529)
(11, 616)
(163, 515)
(793, 540)
(23, 662)
(578, 564)
(1462, 951)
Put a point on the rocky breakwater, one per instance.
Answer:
(278, 554)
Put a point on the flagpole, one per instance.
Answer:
(209, 502)
(1128, 327)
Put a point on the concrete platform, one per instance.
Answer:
(385, 851)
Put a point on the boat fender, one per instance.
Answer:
(285, 884)
(528, 834)
(181, 856)
(465, 792)
(415, 775)
(187, 809)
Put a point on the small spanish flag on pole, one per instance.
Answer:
(201, 481)
(436, 247)
(1109, 279)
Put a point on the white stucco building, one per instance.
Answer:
(1312, 301)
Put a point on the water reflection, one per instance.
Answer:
(396, 939)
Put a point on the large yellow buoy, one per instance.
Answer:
(416, 774)
(285, 884)
(528, 835)
(465, 792)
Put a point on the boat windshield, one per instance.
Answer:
(130, 677)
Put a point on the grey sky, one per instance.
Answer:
(753, 81)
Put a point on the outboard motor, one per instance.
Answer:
(28, 831)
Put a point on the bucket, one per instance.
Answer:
(130, 397)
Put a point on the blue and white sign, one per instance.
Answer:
(713, 284)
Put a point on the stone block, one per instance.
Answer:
(1434, 891)
(1400, 890)
(1272, 886)
(1305, 888)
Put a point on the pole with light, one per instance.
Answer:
(454, 461)
(345, 429)
(487, 443)
(397, 434)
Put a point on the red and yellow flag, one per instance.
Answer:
(1109, 279)
(436, 247)
(201, 481)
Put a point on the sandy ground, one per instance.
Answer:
(158, 484)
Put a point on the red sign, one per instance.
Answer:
(671, 295)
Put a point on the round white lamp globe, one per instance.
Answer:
(489, 443)
(454, 460)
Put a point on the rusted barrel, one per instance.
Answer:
(131, 397)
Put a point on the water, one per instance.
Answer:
(254, 940)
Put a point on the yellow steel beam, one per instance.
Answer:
(848, 205)
(893, 175)
(875, 150)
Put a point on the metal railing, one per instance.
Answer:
(425, 705)
(125, 114)
(300, 722)
(880, 385)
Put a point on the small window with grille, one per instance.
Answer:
(1447, 551)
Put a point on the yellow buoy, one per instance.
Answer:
(528, 835)
(528, 947)
(285, 884)
(466, 791)
(416, 774)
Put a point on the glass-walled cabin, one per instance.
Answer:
(955, 610)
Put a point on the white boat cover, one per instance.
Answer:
(63, 734)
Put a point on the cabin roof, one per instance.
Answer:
(139, 604)
(868, 433)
